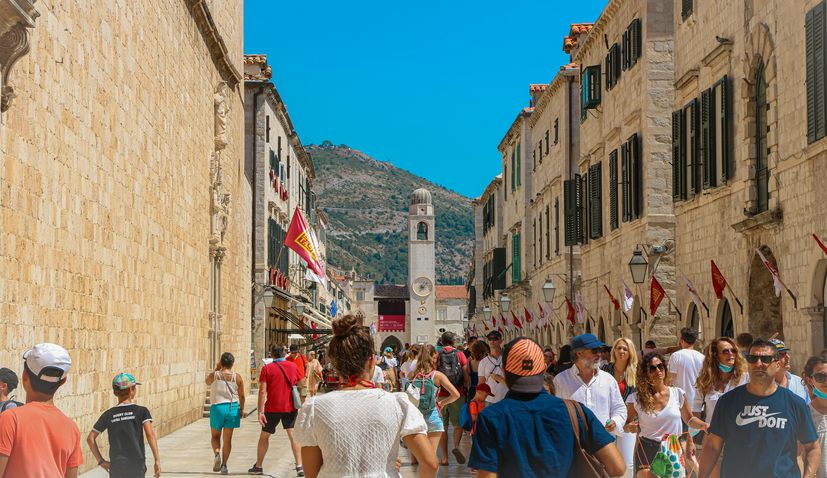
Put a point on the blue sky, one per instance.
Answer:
(430, 86)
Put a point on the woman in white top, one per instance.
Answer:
(355, 431)
(227, 405)
(724, 368)
(655, 411)
(815, 378)
(623, 367)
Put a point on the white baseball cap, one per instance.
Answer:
(48, 357)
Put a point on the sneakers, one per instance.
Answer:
(299, 471)
(459, 456)
(216, 462)
(224, 470)
(256, 470)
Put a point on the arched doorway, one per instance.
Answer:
(392, 342)
(588, 326)
(764, 307)
(727, 325)
(694, 320)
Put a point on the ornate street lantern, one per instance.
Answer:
(549, 290)
(638, 266)
(505, 302)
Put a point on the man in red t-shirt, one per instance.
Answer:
(275, 403)
(451, 412)
(301, 362)
(37, 440)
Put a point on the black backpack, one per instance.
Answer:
(448, 364)
(7, 404)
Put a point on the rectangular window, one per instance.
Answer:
(596, 201)
(515, 258)
(632, 178)
(816, 59)
(519, 166)
(272, 240)
(613, 219)
(632, 44)
(678, 156)
(613, 66)
(556, 130)
(573, 206)
(513, 170)
(534, 159)
(556, 227)
(267, 129)
(360, 296)
(505, 180)
(686, 151)
(589, 90)
(686, 8)
(547, 141)
(443, 314)
(540, 236)
(534, 242)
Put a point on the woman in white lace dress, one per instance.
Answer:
(355, 431)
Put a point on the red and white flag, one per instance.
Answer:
(301, 238)
(693, 292)
(570, 312)
(543, 321)
(581, 309)
(628, 298)
(656, 295)
(776, 279)
(718, 281)
(515, 321)
(528, 318)
(615, 303)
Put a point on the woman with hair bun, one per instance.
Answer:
(355, 431)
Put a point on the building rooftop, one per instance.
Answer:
(385, 291)
(451, 292)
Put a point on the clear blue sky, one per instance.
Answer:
(430, 86)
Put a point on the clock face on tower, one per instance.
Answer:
(422, 286)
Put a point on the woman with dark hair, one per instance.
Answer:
(815, 377)
(655, 410)
(227, 405)
(356, 431)
(564, 362)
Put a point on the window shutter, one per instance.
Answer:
(626, 50)
(707, 148)
(637, 179)
(624, 158)
(695, 145)
(686, 8)
(595, 201)
(636, 41)
(513, 171)
(594, 83)
(677, 171)
(613, 222)
(519, 165)
(582, 207)
(540, 235)
(556, 229)
(726, 137)
(534, 243)
(609, 71)
(616, 62)
(569, 212)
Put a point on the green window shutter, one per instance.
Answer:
(579, 201)
(815, 58)
(707, 141)
(540, 236)
(613, 222)
(569, 213)
(534, 242)
(519, 166)
(636, 40)
(513, 172)
(595, 84)
(726, 134)
(505, 180)
(637, 176)
(548, 229)
(625, 175)
(695, 146)
(595, 201)
(515, 258)
(677, 171)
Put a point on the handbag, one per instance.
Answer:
(297, 398)
(668, 462)
(583, 464)
(413, 393)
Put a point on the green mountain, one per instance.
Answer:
(367, 202)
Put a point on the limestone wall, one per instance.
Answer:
(105, 203)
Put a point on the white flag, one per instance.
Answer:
(580, 309)
(628, 298)
(776, 280)
(692, 291)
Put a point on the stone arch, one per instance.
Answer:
(765, 317)
(588, 326)
(693, 320)
(393, 342)
(725, 322)
(759, 61)
(422, 231)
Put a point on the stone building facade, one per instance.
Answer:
(754, 72)
(125, 212)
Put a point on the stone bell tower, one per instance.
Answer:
(421, 269)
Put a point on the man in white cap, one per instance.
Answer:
(37, 440)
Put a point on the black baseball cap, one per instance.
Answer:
(494, 335)
(8, 377)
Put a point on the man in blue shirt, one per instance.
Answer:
(528, 433)
(761, 425)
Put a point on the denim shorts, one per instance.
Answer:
(224, 415)
(434, 421)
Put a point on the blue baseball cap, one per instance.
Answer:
(586, 341)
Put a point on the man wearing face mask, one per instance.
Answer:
(761, 425)
(592, 387)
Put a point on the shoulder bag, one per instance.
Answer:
(583, 464)
(297, 398)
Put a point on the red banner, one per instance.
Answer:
(718, 281)
(569, 312)
(391, 323)
(656, 295)
(516, 321)
(820, 244)
(612, 298)
(302, 239)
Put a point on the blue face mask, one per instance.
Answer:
(725, 368)
(819, 394)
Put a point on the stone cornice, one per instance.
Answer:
(215, 42)
(512, 131)
(16, 17)
(596, 33)
(565, 71)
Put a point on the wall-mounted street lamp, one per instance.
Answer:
(505, 302)
(638, 266)
(300, 308)
(486, 312)
(549, 290)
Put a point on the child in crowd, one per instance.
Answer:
(127, 423)
(476, 405)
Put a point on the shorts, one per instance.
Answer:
(288, 419)
(434, 421)
(645, 451)
(224, 415)
(450, 413)
(127, 470)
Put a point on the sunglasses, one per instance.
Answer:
(655, 368)
(820, 377)
(765, 359)
(727, 352)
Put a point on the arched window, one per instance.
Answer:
(727, 326)
(761, 167)
(422, 232)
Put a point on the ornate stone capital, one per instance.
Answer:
(16, 16)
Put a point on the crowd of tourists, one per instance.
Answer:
(730, 408)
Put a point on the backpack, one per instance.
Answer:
(465, 420)
(427, 393)
(7, 404)
(448, 365)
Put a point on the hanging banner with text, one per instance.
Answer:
(391, 323)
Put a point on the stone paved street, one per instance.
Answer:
(452, 470)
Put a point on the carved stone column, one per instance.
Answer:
(16, 16)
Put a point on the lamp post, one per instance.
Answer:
(300, 308)
(549, 290)
(638, 266)
(486, 312)
(505, 302)
(269, 297)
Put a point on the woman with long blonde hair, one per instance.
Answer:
(623, 367)
(724, 368)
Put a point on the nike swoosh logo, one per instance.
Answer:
(741, 421)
